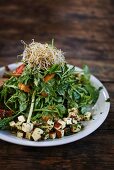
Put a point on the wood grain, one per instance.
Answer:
(84, 30)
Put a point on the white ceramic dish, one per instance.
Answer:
(100, 107)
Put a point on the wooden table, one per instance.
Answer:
(84, 29)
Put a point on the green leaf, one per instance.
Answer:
(76, 96)
(94, 93)
(61, 109)
(85, 109)
(22, 101)
(4, 122)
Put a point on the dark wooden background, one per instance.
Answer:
(84, 29)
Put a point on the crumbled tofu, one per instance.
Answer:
(72, 114)
(28, 135)
(49, 128)
(19, 134)
(87, 116)
(60, 133)
(63, 124)
(27, 127)
(68, 120)
(36, 135)
(52, 135)
(40, 131)
(79, 117)
(12, 124)
(73, 111)
(76, 128)
(57, 125)
(21, 118)
(18, 125)
(74, 121)
(46, 136)
(50, 122)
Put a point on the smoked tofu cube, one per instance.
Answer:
(21, 118)
(76, 128)
(60, 133)
(52, 135)
(87, 116)
(27, 127)
(28, 135)
(12, 124)
(20, 134)
(36, 135)
(68, 120)
(57, 125)
(63, 124)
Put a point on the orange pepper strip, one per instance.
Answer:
(48, 77)
(44, 94)
(46, 118)
(24, 87)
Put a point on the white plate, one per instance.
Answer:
(100, 107)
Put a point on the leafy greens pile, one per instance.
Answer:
(67, 89)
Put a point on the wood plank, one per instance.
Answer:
(82, 154)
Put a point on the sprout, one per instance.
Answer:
(42, 55)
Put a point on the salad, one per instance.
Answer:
(45, 98)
